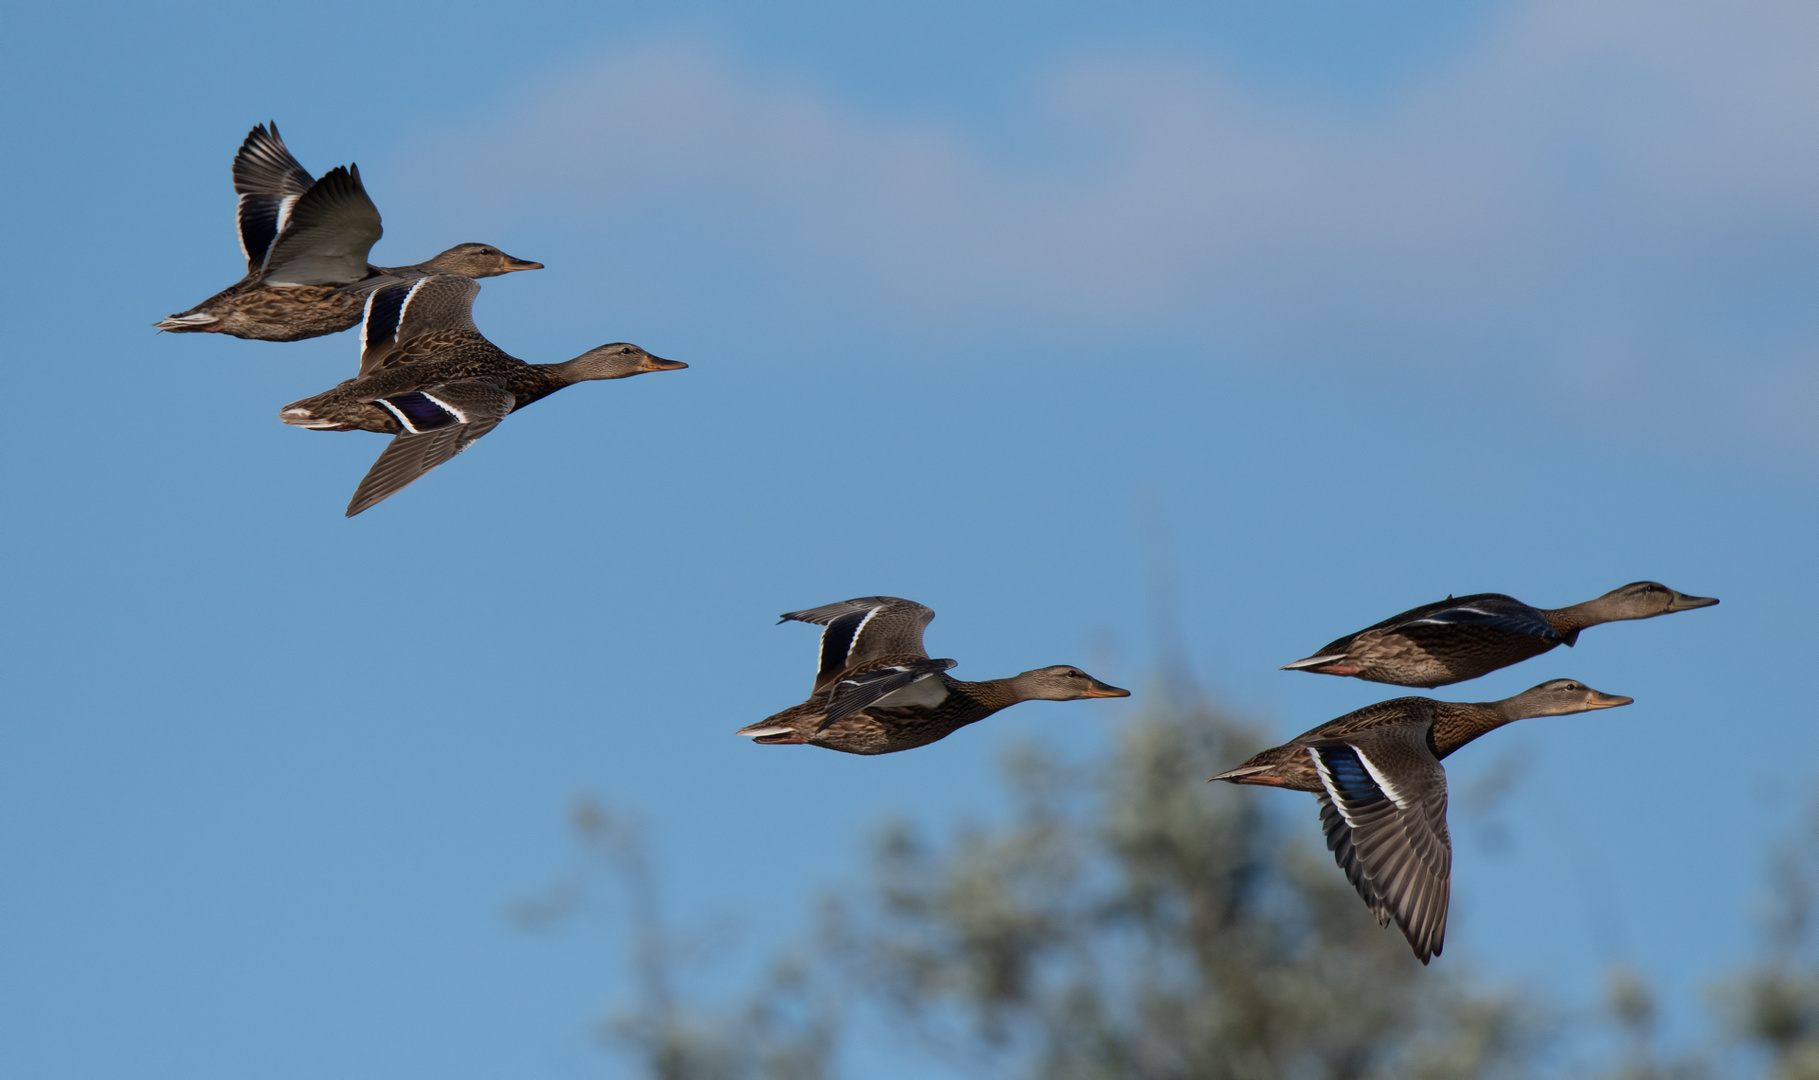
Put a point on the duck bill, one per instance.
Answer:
(1607, 701)
(1683, 602)
(512, 263)
(1099, 689)
(658, 363)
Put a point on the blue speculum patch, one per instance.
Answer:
(1349, 775)
(382, 316)
(421, 411)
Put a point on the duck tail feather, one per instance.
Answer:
(178, 324)
(1313, 661)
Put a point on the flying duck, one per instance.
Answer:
(1464, 637)
(430, 378)
(1382, 793)
(305, 240)
(877, 692)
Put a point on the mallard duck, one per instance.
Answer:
(1382, 792)
(1464, 637)
(877, 691)
(433, 380)
(305, 240)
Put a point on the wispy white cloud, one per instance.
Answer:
(1619, 184)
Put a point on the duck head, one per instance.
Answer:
(617, 360)
(478, 261)
(1062, 682)
(1643, 600)
(1558, 697)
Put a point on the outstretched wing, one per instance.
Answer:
(326, 236)
(864, 629)
(269, 181)
(1339, 842)
(855, 693)
(439, 422)
(1387, 827)
(396, 313)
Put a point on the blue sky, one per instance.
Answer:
(1370, 305)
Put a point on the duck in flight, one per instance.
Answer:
(877, 692)
(1382, 793)
(1464, 637)
(430, 378)
(305, 241)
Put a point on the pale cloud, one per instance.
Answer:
(1614, 183)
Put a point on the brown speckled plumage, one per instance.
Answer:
(884, 730)
(432, 359)
(258, 312)
(1449, 724)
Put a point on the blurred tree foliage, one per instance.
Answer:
(1128, 921)
(1773, 1006)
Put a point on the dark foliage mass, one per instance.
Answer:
(1128, 922)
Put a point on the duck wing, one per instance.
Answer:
(439, 422)
(327, 234)
(856, 692)
(398, 312)
(1493, 611)
(865, 629)
(1437, 622)
(1384, 813)
(269, 181)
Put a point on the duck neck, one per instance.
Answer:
(1457, 723)
(996, 694)
(534, 382)
(1571, 620)
(568, 372)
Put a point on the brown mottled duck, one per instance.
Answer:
(1382, 792)
(1464, 637)
(877, 691)
(430, 378)
(305, 241)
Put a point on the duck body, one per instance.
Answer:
(877, 691)
(429, 378)
(1461, 638)
(938, 707)
(1377, 776)
(305, 242)
(259, 312)
(432, 360)
(1445, 727)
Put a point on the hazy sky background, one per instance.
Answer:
(1367, 304)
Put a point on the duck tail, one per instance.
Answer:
(189, 323)
(771, 732)
(297, 415)
(1314, 663)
